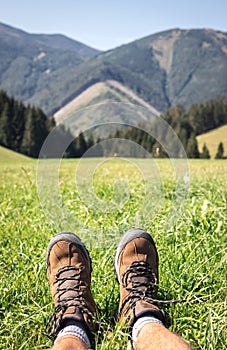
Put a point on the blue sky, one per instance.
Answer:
(107, 24)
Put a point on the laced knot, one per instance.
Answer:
(68, 295)
(141, 282)
(141, 277)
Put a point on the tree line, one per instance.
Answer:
(25, 128)
(187, 125)
(22, 128)
(200, 118)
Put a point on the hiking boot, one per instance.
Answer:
(136, 269)
(69, 273)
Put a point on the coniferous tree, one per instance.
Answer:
(40, 131)
(5, 126)
(28, 141)
(220, 151)
(90, 141)
(205, 152)
(79, 145)
(192, 147)
(50, 124)
(82, 144)
(17, 126)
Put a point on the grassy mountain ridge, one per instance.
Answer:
(54, 41)
(104, 102)
(102, 92)
(168, 68)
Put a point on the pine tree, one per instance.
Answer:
(28, 142)
(40, 130)
(220, 151)
(192, 147)
(205, 152)
(17, 126)
(5, 126)
(82, 143)
(90, 141)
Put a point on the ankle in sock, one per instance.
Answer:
(77, 330)
(142, 321)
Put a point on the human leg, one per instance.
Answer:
(136, 268)
(69, 342)
(153, 336)
(69, 274)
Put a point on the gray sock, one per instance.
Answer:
(142, 321)
(77, 330)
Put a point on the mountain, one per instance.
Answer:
(31, 64)
(107, 102)
(177, 66)
(168, 68)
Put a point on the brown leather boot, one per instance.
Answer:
(136, 268)
(69, 273)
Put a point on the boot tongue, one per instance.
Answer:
(139, 281)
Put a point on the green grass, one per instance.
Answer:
(8, 155)
(192, 253)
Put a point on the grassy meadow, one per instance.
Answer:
(212, 139)
(192, 253)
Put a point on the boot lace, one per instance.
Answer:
(54, 322)
(144, 286)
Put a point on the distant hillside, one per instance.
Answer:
(169, 68)
(177, 66)
(31, 65)
(164, 69)
(7, 154)
(212, 140)
(104, 102)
